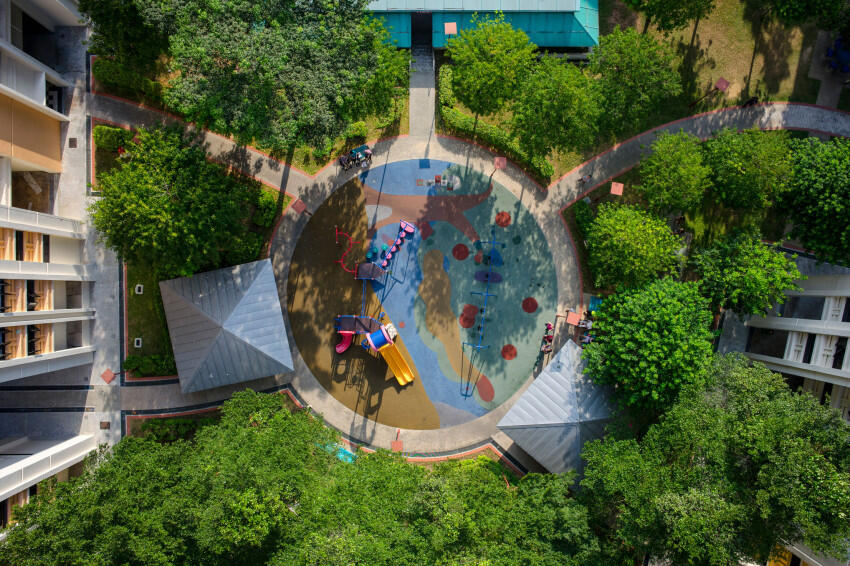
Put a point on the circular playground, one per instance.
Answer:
(418, 294)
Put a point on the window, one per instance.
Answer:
(840, 353)
(810, 348)
(17, 27)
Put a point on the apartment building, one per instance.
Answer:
(56, 283)
(804, 339)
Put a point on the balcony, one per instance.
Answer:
(25, 462)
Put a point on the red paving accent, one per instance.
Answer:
(397, 446)
(460, 252)
(401, 324)
(529, 304)
(467, 317)
(426, 230)
(108, 375)
(503, 219)
(509, 351)
(299, 206)
(485, 389)
(573, 318)
(617, 189)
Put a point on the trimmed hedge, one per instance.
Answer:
(584, 217)
(492, 136)
(126, 82)
(154, 365)
(110, 139)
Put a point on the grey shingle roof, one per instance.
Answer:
(226, 326)
(558, 413)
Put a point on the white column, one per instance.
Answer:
(6, 20)
(5, 180)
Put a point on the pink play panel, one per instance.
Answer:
(617, 189)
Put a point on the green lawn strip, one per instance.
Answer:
(145, 314)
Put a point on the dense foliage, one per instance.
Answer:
(743, 274)
(650, 342)
(819, 199)
(151, 365)
(636, 75)
(750, 169)
(490, 61)
(495, 137)
(630, 247)
(166, 206)
(674, 177)
(669, 15)
(120, 31)
(793, 12)
(263, 487)
(732, 470)
(556, 107)
(273, 74)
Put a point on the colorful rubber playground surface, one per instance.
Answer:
(469, 292)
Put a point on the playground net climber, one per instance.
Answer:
(490, 259)
(380, 338)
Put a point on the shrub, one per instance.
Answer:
(357, 130)
(110, 139)
(584, 217)
(457, 122)
(266, 209)
(153, 365)
(245, 249)
(126, 81)
(169, 430)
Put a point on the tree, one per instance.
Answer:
(630, 247)
(636, 75)
(739, 465)
(819, 199)
(670, 15)
(119, 30)
(650, 342)
(743, 274)
(557, 107)
(490, 60)
(750, 169)
(674, 177)
(262, 486)
(167, 207)
(278, 73)
(795, 12)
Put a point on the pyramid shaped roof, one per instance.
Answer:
(226, 326)
(558, 413)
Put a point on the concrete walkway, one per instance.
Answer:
(831, 84)
(542, 203)
(422, 93)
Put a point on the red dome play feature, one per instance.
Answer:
(485, 389)
(509, 351)
(529, 304)
(460, 252)
(479, 257)
(503, 219)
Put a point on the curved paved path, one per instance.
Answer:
(544, 204)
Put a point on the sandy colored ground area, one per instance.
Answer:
(319, 290)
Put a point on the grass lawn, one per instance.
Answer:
(758, 58)
(145, 315)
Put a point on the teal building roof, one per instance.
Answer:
(548, 23)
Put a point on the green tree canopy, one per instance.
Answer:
(669, 15)
(732, 470)
(120, 30)
(166, 206)
(277, 73)
(490, 60)
(793, 12)
(819, 200)
(743, 274)
(557, 107)
(650, 342)
(674, 177)
(263, 487)
(637, 75)
(751, 168)
(629, 247)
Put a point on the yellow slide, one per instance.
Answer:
(397, 364)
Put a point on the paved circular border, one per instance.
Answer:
(362, 429)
